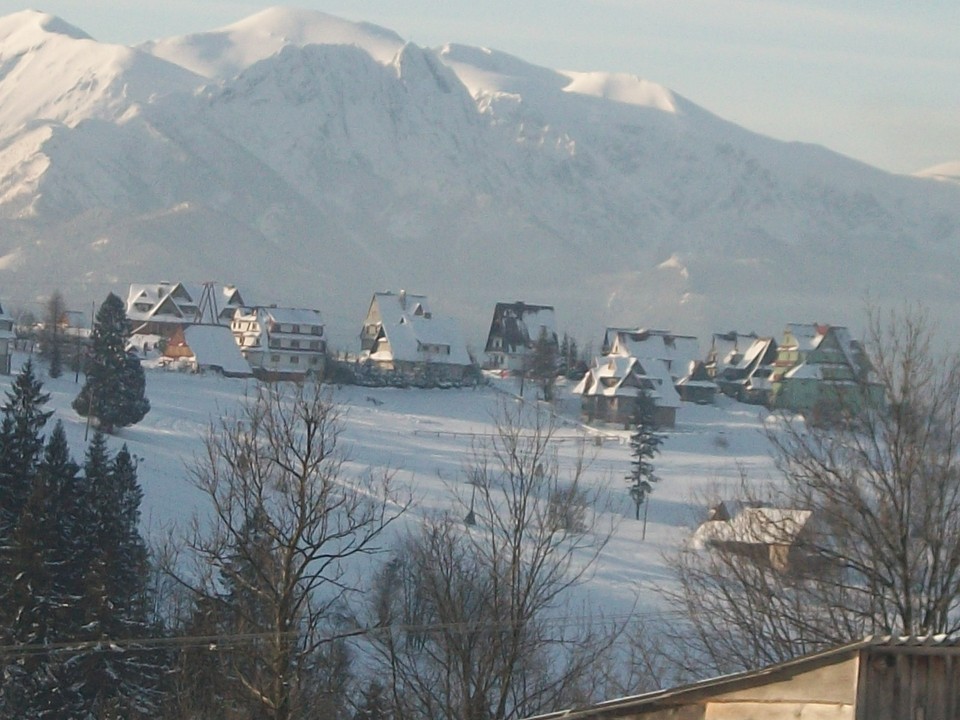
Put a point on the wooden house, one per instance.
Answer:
(727, 349)
(402, 336)
(696, 385)
(772, 536)
(744, 371)
(159, 310)
(281, 343)
(7, 338)
(609, 390)
(514, 332)
(877, 678)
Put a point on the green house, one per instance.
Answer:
(821, 370)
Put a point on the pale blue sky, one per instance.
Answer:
(878, 81)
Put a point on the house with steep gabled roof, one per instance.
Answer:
(743, 372)
(402, 336)
(514, 332)
(610, 389)
(161, 309)
(819, 370)
(676, 352)
(281, 343)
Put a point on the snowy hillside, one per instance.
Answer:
(312, 161)
(425, 436)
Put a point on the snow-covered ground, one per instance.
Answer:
(425, 436)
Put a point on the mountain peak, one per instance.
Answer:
(29, 28)
(227, 51)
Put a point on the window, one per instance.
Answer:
(314, 344)
(295, 344)
(316, 330)
(314, 360)
(275, 358)
(295, 328)
(294, 359)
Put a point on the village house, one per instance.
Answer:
(876, 678)
(515, 330)
(741, 366)
(402, 337)
(281, 343)
(679, 353)
(819, 370)
(158, 312)
(662, 364)
(768, 535)
(7, 338)
(610, 390)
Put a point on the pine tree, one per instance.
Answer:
(645, 444)
(543, 362)
(21, 444)
(114, 392)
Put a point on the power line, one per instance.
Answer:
(219, 641)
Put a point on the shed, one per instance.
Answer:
(877, 678)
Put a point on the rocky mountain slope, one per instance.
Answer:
(312, 161)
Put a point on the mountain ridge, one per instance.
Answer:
(326, 164)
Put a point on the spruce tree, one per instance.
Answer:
(21, 444)
(114, 392)
(645, 444)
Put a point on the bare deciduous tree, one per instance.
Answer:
(478, 622)
(881, 554)
(271, 563)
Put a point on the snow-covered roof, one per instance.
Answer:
(293, 316)
(414, 332)
(811, 336)
(519, 324)
(177, 301)
(753, 526)
(214, 346)
(609, 375)
(676, 351)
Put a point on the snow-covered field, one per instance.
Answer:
(425, 436)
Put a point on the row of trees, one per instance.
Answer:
(73, 572)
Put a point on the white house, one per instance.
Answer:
(281, 342)
(677, 352)
(609, 390)
(402, 335)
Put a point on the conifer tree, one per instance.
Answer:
(645, 444)
(21, 444)
(114, 392)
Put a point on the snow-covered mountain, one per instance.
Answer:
(312, 161)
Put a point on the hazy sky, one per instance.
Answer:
(878, 80)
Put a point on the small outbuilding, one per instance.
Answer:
(878, 678)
